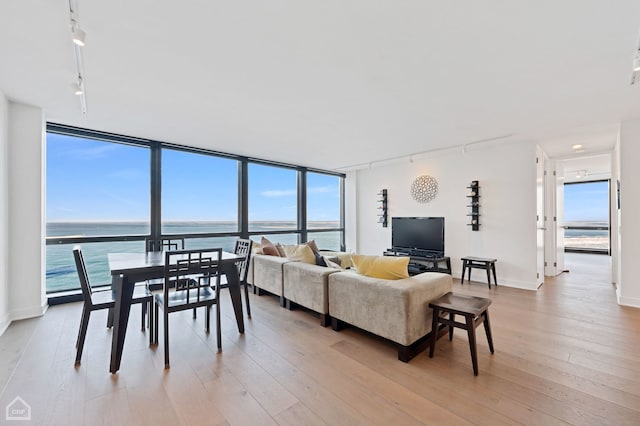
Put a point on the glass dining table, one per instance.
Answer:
(130, 268)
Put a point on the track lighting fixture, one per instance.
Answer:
(78, 36)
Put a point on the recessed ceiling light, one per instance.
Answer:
(577, 147)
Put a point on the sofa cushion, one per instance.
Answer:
(312, 244)
(269, 248)
(268, 273)
(306, 285)
(320, 260)
(300, 253)
(384, 267)
(256, 247)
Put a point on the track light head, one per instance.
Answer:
(78, 87)
(78, 36)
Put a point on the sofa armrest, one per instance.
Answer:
(395, 309)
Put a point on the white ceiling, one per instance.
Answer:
(331, 83)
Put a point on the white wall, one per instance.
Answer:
(629, 152)
(5, 317)
(27, 297)
(507, 176)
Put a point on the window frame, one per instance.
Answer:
(155, 214)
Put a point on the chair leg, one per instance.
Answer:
(471, 331)
(144, 314)
(84, 324)
(207, 319)
(246, 296)
(110, 317)
(194, 313)
(218, 327)
(487, 330)
(84, 308)
(156, 321)
(434, 331)
(150, 320)
(452, 317)
(166, 338)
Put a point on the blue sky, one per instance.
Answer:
(90, 180)
(586, 202)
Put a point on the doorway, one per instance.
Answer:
(582, 210)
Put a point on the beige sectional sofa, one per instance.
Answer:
(397, 310)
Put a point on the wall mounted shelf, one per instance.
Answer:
(382, 208)
(474, 204)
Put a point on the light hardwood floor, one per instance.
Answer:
(565, 354)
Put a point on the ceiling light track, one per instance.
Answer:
(635, 74)
(411, 157)
(78, 37)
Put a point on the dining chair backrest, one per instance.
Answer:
(243, 247)
(164, 244)
(198, 268)
(85, 285)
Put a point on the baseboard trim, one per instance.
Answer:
(5, 322)
(632, 302)
(26, 313)
(523, 285)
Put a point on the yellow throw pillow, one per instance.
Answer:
(384, 267)
(300, 253)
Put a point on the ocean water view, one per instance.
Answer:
(61, 273)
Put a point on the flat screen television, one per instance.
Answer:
(422, 234)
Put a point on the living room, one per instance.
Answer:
(478, 92)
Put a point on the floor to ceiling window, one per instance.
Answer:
(109, 192)
(94, 188)
(273, 202)
(199, 196)
(324, 210)
(586, 216)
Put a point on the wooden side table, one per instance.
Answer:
(473, 309)
(488, 265)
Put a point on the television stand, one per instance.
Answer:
(420, 261)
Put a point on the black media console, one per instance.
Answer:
(423, 261)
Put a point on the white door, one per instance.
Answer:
(540, 181)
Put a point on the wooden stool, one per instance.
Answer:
(473, 309)
(488, 265)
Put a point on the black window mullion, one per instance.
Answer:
(243, 197)
(156, 191)
(302, 204)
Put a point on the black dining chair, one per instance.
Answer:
(243, 247)
(162, 244)
(199, 269)
(104, 299)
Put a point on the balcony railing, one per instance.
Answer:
(587, 239)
